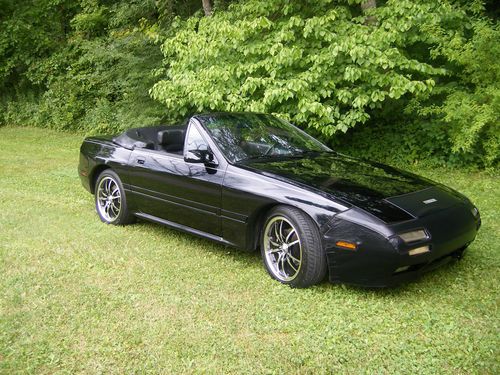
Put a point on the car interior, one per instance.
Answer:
(170, 139)
(162, 138)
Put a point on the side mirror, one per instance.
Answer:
(201, 156)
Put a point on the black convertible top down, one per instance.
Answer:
(257, 182)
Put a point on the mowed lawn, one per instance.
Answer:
(80, 296)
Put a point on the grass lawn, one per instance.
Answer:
(80, 296)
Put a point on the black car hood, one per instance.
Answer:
(365, 184)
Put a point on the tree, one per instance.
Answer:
(366, 6)
(207, 7)
(329, 67)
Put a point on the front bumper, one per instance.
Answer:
(384, 260)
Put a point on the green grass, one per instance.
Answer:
(80, 296)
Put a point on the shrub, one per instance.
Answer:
(329, 67)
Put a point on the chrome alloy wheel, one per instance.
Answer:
(283, 249)
(109, 199)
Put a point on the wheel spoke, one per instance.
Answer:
(276, 234)
(291, 265)
(282, 238)
(293, 243)
(281, 259)
(289, 235)
(293, 258)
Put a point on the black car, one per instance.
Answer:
(257, 182)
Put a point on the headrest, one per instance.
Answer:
(171, 136)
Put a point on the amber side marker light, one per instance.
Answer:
(346, 245)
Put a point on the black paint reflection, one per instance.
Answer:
(358, 182)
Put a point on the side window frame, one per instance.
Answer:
(190, 127)
(199, 129)
(221, 159)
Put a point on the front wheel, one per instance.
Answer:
(291, 248)
(110, 200)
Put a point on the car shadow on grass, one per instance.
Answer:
(252, 259)
(239, 255)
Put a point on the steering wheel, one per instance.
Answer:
(268, 151)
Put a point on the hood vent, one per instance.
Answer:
(423, 202)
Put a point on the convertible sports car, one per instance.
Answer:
(257, 182)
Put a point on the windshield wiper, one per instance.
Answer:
(294, 154)
(307, 152)
(256, 157)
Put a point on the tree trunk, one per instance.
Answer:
(367, 5)
(207, 7)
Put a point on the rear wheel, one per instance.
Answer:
(291, 248)
(110, 200)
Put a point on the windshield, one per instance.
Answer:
(243, 136)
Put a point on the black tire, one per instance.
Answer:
(112, 210)
(312, 267)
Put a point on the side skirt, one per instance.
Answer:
(184, 228)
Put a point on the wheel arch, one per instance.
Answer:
(256, 222)
(94, 174)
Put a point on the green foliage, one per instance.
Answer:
(322, 65)
(97, 78)
(29, 33)
(457, 123)
(319, 64)
(409, 80)
(105, 87)
(417, 142)
(471, 105)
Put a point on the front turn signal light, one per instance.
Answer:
(346, 245)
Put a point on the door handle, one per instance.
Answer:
(140, 161)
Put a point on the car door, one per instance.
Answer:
(173, 189)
